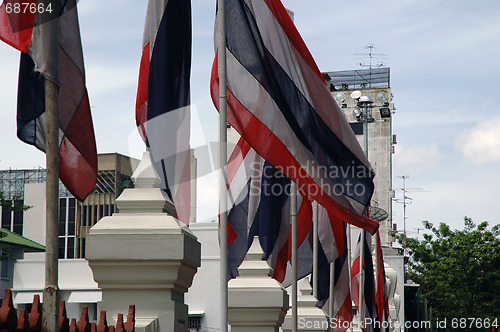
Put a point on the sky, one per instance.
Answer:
(444, 65)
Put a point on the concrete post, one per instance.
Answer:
(144, 256)
(310, 317)
(256, 302)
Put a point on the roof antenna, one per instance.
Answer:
(372, 56)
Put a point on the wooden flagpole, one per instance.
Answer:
(222, 70)
(50, 320)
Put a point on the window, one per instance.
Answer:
(194, 323)
(67, 227)
(12, 217)
(6, 218)
(70, 252)
(357, 127)
(5, 268)
(72, 216)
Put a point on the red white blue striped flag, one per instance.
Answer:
(53, 51)
(163, 103)
(368, 310)
(342, 305)
(279, 103)
(382, 292)
(258, 199)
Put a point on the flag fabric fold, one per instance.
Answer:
(52, 49)
(163, 97)
(279, 103)
(382, 291)
(259, 204)
(368, 310)
(342, 307)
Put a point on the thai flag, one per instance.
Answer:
(279, 103)
(53, 51)
(162, 105)
(331, 245)
(382, 292)
(342, 306)
(259, 204)
(369, 309)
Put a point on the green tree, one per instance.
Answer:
(458, 271)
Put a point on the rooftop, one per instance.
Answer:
(360, 79)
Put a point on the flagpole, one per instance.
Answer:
(331, 301)
(50, 317)
(363, 233)
(375, 266)
(349, 260)
(315, 249)
(222, 70)
(293, 217)
(361, 275)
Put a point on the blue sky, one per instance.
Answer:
(444, 76)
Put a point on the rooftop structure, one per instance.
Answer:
(360, 79)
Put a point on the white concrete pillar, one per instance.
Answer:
(144, 256)
(256, 303)
(309, 316)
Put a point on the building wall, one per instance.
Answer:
(76, 284)
(34, 217)
(204, 295)
(380, 150)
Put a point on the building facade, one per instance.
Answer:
(75, 218)
(349, 88)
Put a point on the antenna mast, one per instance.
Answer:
(371, 56)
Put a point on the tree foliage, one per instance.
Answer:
(458, 270)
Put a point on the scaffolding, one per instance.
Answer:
(12, 182)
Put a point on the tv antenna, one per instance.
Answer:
(372, 57)
(406, 200)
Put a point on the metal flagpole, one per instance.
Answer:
(361, 275)
(315, 249)
(330, 294)
(222, 69)
(375, 266)
(50, 318)
(363, 233)
(293, 217)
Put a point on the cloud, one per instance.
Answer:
(481, 144)
(416, 158)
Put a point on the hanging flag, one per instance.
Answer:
(259, 204)
(382, 292)
(53, 51)
(330, 234)
(163, 103)
(279, 103)
(368, 311)
(331, 245)
(342, 306)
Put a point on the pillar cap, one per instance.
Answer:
(255, 266)
(145, 175)
(146, 197)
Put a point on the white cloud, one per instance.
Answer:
(416, 158)
(481, 144)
